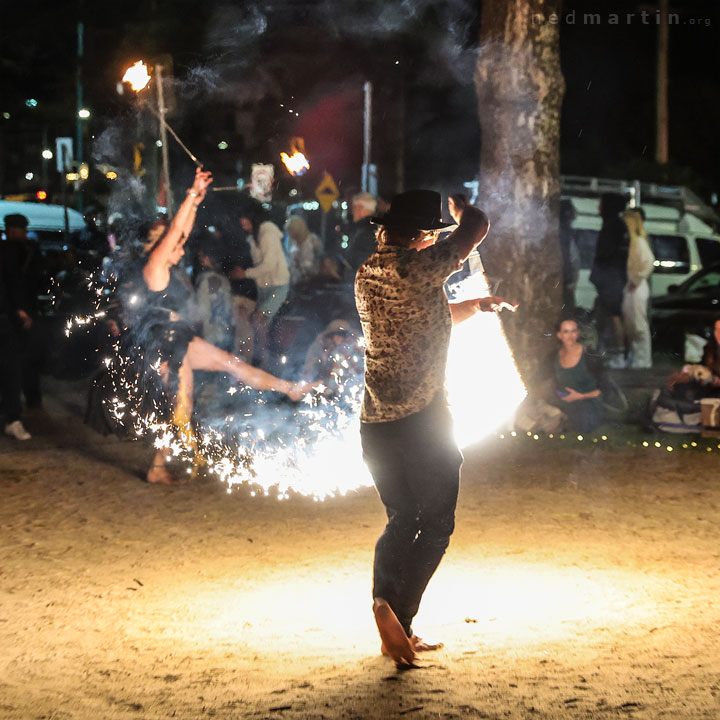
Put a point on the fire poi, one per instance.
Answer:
(138, 77)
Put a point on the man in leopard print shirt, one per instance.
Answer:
(406, 430)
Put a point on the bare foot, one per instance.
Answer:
(159, 475)
(419, 645)
(395, 643)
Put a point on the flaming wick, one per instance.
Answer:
(296, 163)
(137, 76)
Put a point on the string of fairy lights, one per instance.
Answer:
(570, 439)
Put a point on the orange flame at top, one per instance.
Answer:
(137, 76)
(296, 163)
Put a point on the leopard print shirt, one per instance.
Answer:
(406, 321)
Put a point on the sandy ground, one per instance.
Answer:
(582, 582)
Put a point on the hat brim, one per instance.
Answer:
(398, 223)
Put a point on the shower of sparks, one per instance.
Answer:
(313, 447)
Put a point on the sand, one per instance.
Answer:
(582, 582)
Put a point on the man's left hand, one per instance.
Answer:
(495, 304)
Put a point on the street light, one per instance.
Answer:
(84, 113)
(47, 154)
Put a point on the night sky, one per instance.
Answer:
(243, 71)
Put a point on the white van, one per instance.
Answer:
(681, 241)
(46, 223)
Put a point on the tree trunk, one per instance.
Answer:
(520, 89)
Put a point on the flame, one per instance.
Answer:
(137, 76)
(483, 382)
(296, 163)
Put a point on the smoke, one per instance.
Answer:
(199, 80)
(107, 148)
(233, 31)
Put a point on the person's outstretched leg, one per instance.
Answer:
(201, 355)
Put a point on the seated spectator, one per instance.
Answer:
(574, 379)
(328, 276)
(334, 358)
(704, 377)
(305, 250)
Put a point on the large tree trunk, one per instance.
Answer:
(520, 89)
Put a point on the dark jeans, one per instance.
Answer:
(583, 415)
(10, 371)
(415, 464)
(33, 352)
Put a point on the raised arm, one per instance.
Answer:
(184, 219)
(473, 228)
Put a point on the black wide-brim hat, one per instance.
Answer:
(414, 210)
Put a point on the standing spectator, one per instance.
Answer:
(641, 262)
(361, 243)
(305, 250)
(32, 284)
(269, 271)
(609, 274)
(237, 258)
(569, 253)
(213, 307)
(10, 367)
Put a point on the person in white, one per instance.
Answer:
(269, 271)
(305, 250)
(637, 291)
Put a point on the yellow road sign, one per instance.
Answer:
(326, 192)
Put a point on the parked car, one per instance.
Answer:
(690, 308)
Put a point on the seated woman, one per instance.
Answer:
(168, 343)
(702, 380)
(575, 379)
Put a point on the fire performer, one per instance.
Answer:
(164, 342)
(406, 428)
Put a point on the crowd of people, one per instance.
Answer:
(235, 296)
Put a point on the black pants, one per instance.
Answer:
(415, 464)
(10, 371)
(33, 351)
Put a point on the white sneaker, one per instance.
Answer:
(17, 430)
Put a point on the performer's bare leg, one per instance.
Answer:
(201, 355)
(395, 643)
